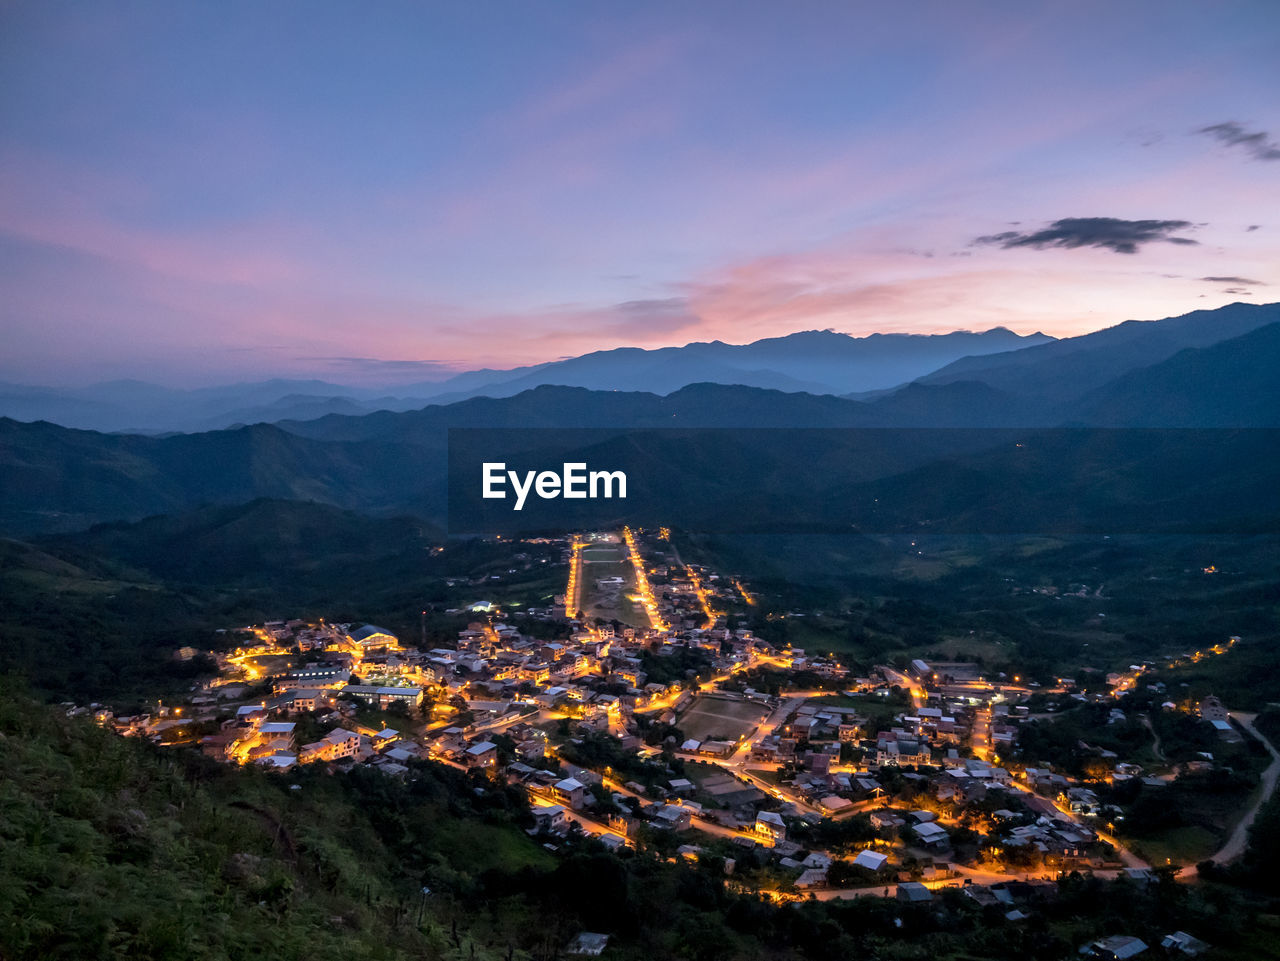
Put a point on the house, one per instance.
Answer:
(812, 877)
(1118, 947)
(385, 738)
(572, 792)
(886, 821)
(865, 787)
(931, 835)
(834, 804)
(682, 786)
(481, 755)
(531, 749)
(251, 714)
(1181, 943)
(903, 753)
(771, 826)
(302, 700)
(913, 892)
(277, 730)
(337, 744)
(1081, 800)
(871, 860)
(551, 818)
(672, 816)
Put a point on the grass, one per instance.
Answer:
(611, 605)
(484, 847)
(1183, 845)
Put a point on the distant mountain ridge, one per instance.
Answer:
(136, 406)
(816, 362)
(1067, 369)
(1032, 378)
(60, 479)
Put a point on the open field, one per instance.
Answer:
(1183, 845)
(717, 718)
(604, 553)
(610, 603)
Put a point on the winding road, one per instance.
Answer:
(1240, 836)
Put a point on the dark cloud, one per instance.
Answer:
(663, 306)
(1234, 135)
(668, 314)
(1110, 233)
(1251, 228)
(1234, 280)
(1239, 291)
(372, 365)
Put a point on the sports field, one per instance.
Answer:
(718, 718)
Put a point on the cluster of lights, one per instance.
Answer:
(575, 564)
(703, 596)
(642, 582)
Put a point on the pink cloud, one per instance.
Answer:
(47, 201)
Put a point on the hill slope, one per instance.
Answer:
(62, 479)
(114, 851)
(1066, 369)
(1231, 384)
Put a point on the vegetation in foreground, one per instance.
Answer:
(116, 848)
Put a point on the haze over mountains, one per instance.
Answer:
(819, 362)
(1215, 369)
(993, 376)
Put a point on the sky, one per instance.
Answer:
(194, 194)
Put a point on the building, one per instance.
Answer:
(1212, 709)
(482, 755)
(871, 860)
(334, 746)
(550, 818)
(314, 676)
(834, 804)
(384, 697)
(673, 817)
(572, 792)
(913, 892)
(1115, 948)
(1183, 944)
(370, 637)
(771, 826)
(931, 835)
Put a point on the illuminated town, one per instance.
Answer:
(653, 718)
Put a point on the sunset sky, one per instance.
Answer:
(195, 194)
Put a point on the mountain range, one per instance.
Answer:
(991, 376)
(814, 361)
(819, 362)
(1210, 375)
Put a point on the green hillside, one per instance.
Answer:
(112, 850)
(115, 849)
